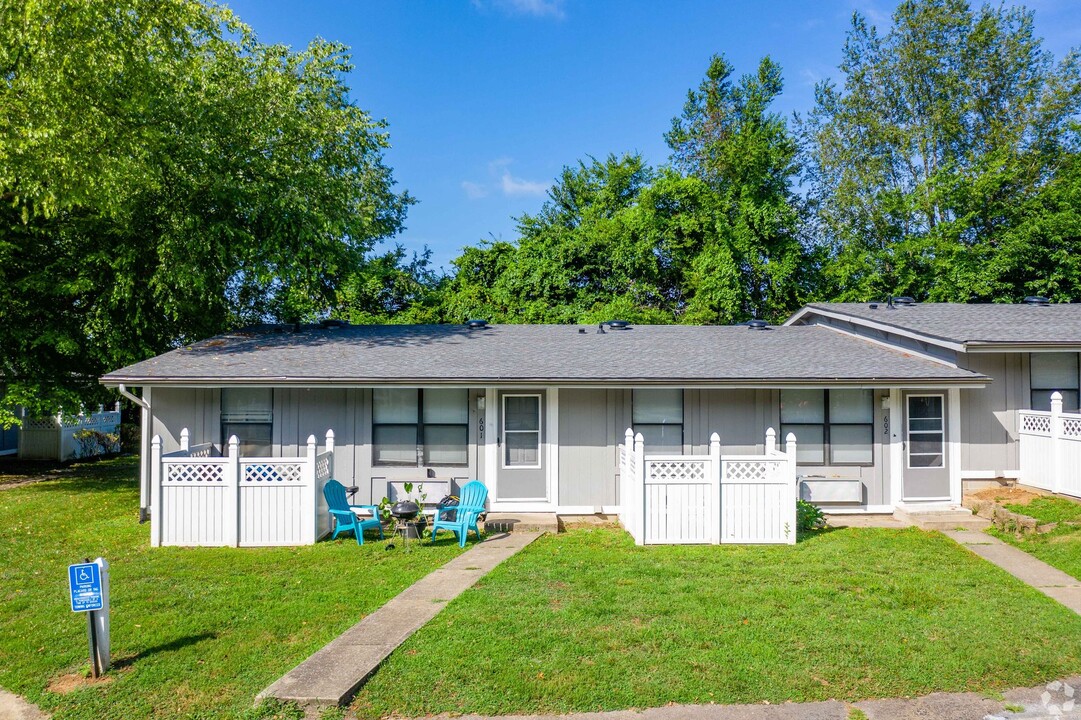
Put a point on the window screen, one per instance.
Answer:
(658, 415)
(413, 427)
(832, 427)
(1051, 372)
(248, 413)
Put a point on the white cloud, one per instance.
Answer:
(503, 181)
(531, 8)
(474, 191)
(810, 77)
(517, 186)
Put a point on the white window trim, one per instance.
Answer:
(539, 432)
(909, 432)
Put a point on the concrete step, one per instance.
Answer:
(944, 519)
(529, 522)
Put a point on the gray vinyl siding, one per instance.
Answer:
(301, 412)
(592, 423)
(197, 409)
(739, 417)
(989, 414)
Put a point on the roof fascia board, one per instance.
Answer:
(889, 345)
(884, 327)
(695, 384)
(993, 347)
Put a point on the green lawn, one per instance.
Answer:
(587, 621)
(196, 632)
(1061, 547)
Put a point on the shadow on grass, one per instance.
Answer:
(171, 646)
(808, 536)
(86, 476)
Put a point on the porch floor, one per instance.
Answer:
(518, 522)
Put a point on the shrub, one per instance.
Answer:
(95, 442)
(808, 517)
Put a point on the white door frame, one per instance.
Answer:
(549, 447)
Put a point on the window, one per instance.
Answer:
(248, 413)
(420, 427)
(926, 432)
(1050, 372)
(832, 427)
(658, 415)
(521, 431)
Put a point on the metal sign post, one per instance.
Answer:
(89, 585)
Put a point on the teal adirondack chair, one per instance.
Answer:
(471, 504)
(344, 517)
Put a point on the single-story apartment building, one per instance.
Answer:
(894, 404)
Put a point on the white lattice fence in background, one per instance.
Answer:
(54, 438)
(1050, 452)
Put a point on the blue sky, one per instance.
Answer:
(488, 99)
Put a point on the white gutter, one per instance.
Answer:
(144, 473)
(134, 398)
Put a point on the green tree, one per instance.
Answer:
(728, 138)
(581, 258)
(165, 176)
(943, 143)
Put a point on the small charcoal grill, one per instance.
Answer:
(405, 511)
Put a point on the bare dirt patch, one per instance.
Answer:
(1006, 495)
(64, 684)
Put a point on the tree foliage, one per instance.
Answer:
(940, 151)
(712, 239)
(164, 176)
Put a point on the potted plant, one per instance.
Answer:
(415, 529)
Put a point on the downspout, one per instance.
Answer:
(144, 475)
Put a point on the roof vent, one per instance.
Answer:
(904, 301)
(1037, 300)
(476, 324)
(757, 324)
(332, 323)
(618, 324)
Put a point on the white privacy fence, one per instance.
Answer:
(1051, 448)
(713, 498)
(201, 498)
(62, 437)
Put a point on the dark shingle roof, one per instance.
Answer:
(535, 353)
(975, 324)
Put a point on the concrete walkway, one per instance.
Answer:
(1047, 702)
(334, 674)
(13, 707)
(1052, 582)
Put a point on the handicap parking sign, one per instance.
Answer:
(85, 582)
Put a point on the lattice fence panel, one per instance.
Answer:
(1036, 423)
(180, 473)
(676, 471)
(322, 467)
(744, 471)
(273, 473)
(1071, 427)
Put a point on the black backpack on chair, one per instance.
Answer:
(441, 511)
